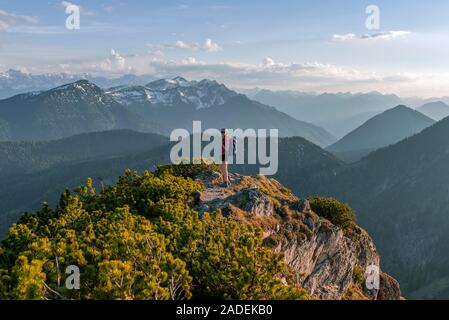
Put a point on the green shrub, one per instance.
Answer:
(187, 170)
(331, 209)
(357, 276)
(139, 239)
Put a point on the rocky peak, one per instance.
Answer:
(80, 85)
(180, 80)
(77, 92)
(174, 92)
(328, 261)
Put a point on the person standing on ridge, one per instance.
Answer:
(227, 149)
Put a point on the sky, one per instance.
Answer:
(320, 46)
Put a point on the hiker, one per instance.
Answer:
(227, 149)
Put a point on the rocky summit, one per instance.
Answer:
(327, 260)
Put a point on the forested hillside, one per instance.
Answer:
(176, 234)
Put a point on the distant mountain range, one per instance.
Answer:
(340, 127)
(13, 82)
(64, 111)
(159, 107)
(380, 131)
(319, 108)
(172, 92)
(338, 113)
(436, 110)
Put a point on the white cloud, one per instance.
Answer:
(388, 35)
(189, 61)
(211, 46)
(181, 45)
(268, 73)
(115, 64)
(116, 60)
(3, 25)
(344, 37)
(8, 19)
(207, 46)
(310, 75)
(268, 62)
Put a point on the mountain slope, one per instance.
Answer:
(240, 112)
(27, 191)
(383, 130)
(176, 103)
(160, 106)
(301, 164)
(4, 130)
(340, 127)
(28, 157)
(435, 110)
(64, 111)
(401, 196)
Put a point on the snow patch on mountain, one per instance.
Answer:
(80, 91)
(13, 82)
(173, 92)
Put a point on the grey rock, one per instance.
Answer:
(303, 206)
(210, 179)
(253, 201)
(389, 288)
(309, 223)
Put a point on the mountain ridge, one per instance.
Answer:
(318, 108)
(14, 82)
(28, 157)
(161, 106)
(382, 130)
(67, 110)
(436, 110)
(177, 102)
(400, 194)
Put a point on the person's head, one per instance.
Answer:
(224, 132)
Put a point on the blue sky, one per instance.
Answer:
(291, 44)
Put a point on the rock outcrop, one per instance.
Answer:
(330, 262)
